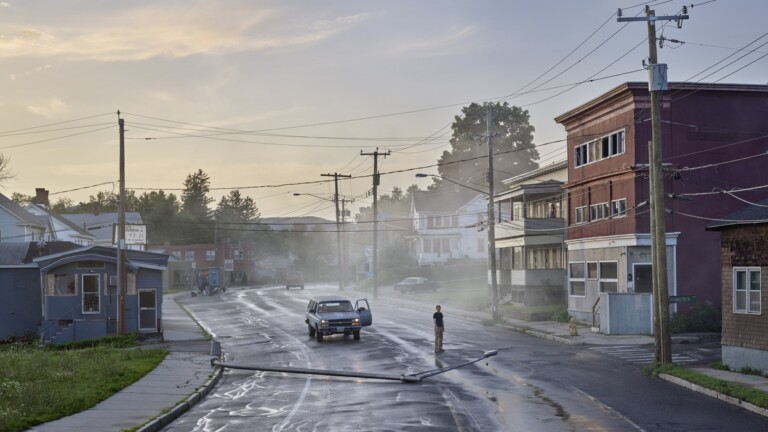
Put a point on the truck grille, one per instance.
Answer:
(340, 323)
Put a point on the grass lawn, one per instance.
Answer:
(738, 391)
(41, 385)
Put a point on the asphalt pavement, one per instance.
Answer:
(185, 376)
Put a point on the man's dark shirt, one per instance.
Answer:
(438, 317)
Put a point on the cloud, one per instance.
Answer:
(50, 109)
(171, 30)
(16, 75)
(452, 43)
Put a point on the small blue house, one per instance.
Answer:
(80, 298)
(66, 292)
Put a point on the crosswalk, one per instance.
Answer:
(638, 355)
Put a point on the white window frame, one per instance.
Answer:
(210, 255)
(587, 273)
(580, 216)
(605, 147)
(603, 279)
(89, 293)
(747, 291)
(581, 280)
(619, 208)
(598, 211)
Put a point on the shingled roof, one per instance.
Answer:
(749, 215)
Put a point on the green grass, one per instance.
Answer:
(738, 391)
(37, 386)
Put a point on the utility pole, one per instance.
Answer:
(338, 227)
(121, 274)
(491, 222)
(344, 239)
(375, 155)
(657, 83)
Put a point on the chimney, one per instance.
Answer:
(41, 197)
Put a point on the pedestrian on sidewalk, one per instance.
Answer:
(437, 317)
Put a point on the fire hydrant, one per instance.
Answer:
(573, 327)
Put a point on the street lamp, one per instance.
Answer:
(335, 200)
(491, 242)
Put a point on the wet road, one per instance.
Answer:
(531, 385)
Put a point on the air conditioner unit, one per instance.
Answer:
(113, 281)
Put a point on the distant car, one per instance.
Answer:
(416, 284)
(294, 279)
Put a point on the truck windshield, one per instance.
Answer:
(336, 307)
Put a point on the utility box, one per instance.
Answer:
(657, 77)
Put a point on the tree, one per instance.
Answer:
(195, 214)
(160, 213)
(513, 149)
(5, 169)
(234, 211)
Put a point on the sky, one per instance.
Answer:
(269, 97)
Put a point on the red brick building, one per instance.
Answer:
(713, 137)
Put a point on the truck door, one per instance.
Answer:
(364, 310)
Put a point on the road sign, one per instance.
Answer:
(682, 299)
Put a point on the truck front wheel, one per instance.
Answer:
(311, 331)
(356, 335)
(319, 335)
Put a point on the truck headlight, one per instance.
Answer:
(323, 323)
(356, 322)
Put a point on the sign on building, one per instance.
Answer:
(135, 234)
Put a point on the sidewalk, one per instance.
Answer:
(182, 379)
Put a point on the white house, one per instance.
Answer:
(448, 225)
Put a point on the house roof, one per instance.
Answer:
(100, 225)
(554, 166)
(52, 216)
(17, 211)
(442, 200)
(14, 254)
(749, 215)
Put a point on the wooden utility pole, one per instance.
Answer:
(658, 83)
(121, 274)
(491, 223)
(344, 239)
(375, 155)
(339, 264)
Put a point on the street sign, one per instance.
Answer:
(682, 299)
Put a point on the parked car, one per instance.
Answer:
(416, 284)
(294, 279)
(333, 314)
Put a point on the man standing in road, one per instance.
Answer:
(437, 317)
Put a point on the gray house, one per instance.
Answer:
(17, 224)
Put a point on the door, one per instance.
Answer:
(364, 310)
(147, 310)
(643, 278)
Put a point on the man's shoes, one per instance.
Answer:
(440, 350)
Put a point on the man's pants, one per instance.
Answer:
(438, 338)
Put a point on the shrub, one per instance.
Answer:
(561, 315)
(700, 318)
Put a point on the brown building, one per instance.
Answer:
(744, 237)
(713, 137)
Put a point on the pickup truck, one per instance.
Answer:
(416, 284)
(333, 314)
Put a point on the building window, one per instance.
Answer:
(189, 255)
(237, 254)
(598, 211)
(91, 293)
(591, 270)
(581, 214)
(576, 279)
(619, 208)
(609, 281)
(746, 290)
(544, 257)
(210, 255)
(64, 285)
(602, 148)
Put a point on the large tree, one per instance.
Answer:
(234, 212)
(159, 212)
(195, 214)
(513, 150)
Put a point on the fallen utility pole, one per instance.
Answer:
(410, 378)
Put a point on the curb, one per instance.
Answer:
(165, 419)
(725, 398)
